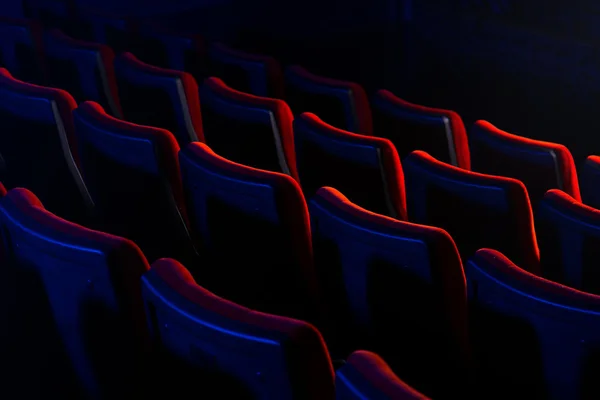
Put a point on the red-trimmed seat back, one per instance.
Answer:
(88, 283)
(342, 104)
(440, 133)
(221, 347)
(159, 97)
(366, 169)
(253, 227)
(590, 181)
(569, 237)
(367, 376)
(247, 129)
(83, 69)
(541, 166)
(132, 173)
(37, 146)
(246, 72)
(532, 336)
(477, 210)
(21, 50)
(394, 287)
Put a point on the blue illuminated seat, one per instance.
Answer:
(440, 133)
(253, 229)
(342, 104)
(84, 286)
(21, 50)
(531, 336)
(37, 147)
(246, 72)
(247, 129)
(477, 210)
(83, 69)
(393, 287)
(367, 376)
(224, 348)
(159, 97)
(366, 169)
(132, 173)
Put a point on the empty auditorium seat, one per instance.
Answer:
(83, 69)
(477, 210)
(532, 336)
(166, 49)
(440, 133)
(539, 165)
(367, 376)
(132, 174)
(92, 286)
(54, 14)
(246, 72)
(109, 29)
(159, 97)
(380, 275)
(37, 146)
(224, 348)
(247, 129)
(253, 228)
(21, 50)
(569, 238)
(590, 182)
(342, 104)
(366, 169)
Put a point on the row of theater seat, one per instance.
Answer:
(364, 261)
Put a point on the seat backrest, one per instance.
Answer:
(37, 146)
(534, 338)
(440, 133)
(569, 238)
(21, 50)
(253, 226)
(159, 97)
(367, 376)
(226, 348)
(380, 275)
(590, 181)
(477, 210)
(132, 173)
(247, 129)
(166, 49)
(246, 72)
(91, 281)
(366, 169)
(115, 31)
(541, 166)
(83, 69)
(54, 14)
(342, 104)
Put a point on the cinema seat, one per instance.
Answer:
(247, 129)
(380, 276)
(367, 376)
(532, 336)
(83, 69)
(132, 173)
(115, 31)
(91, 285)
(214, 344)
(37, 147)
(569, 237)
(541, 166)
(440, 133)
(21, 50)
(159, 97)
(366, 169)
(166, 49)
(54, 14)
(477, 210)
(253, 230)
(341, 104)
(250, 73)
(590, 181)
